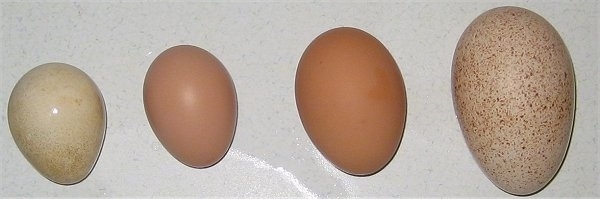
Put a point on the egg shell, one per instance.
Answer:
(57, 118)
(351, 99)
(191, 105)
(514, 90)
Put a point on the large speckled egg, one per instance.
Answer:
(351, 99)
(57, 118)
(513, 87)
(191, 104)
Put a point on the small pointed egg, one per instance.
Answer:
(57, 118)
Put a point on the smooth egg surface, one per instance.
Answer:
(57, 118)
(191, 105)
(351, 99)
(514, 90)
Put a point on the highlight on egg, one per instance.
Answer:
(513, 88)
(57, 118)
(191, 105)
(351, 100)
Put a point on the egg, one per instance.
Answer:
(514, 89)
(351, 100)
(57, 119)
(191, 105)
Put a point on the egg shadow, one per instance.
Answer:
(101, 145)
(397, 147)
(228, 148)
(570, 138)
(234, 130)
(385, 165)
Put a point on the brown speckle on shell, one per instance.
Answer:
(513, 86)
(57, 118)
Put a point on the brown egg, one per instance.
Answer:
(191, 105)
(514, 90)
(351, 99)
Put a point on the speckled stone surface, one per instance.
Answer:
(57, 119)
(514, 92)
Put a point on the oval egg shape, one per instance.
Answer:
(514, 89)
(351, 99)
(191, 104)
(57, 118)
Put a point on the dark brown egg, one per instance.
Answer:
(351, 99)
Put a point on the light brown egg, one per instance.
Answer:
(351, 99)
(57, 118)
(191, 105)
(514, 90)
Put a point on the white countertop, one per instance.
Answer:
(260, 44)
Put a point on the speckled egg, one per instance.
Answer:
(57, 119)
(514, 90)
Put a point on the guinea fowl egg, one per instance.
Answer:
(57, 118)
